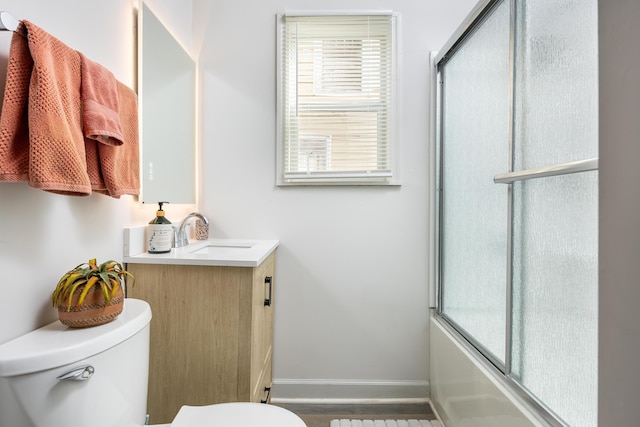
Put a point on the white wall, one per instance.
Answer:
(43, 235)
(352, 267)
(352, 277)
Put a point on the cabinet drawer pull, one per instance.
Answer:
(269, 282)
(267, 390)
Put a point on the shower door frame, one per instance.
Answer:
(503, 369)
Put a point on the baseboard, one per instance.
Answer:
(349, 391)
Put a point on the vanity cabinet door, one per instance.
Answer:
(262, 331)
(256, 340)
(211, 334)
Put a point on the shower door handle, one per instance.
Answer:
(546, 171)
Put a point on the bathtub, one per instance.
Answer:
(465, 392)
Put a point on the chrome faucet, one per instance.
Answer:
(180, 237)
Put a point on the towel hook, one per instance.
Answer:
(8, 22)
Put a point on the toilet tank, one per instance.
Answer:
(93, 377)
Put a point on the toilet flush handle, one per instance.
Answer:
(82, 373)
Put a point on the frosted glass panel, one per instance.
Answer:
(554, 317)
(475, 148)
(556, 92)
(555, 299)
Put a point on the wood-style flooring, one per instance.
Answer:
(320, 415)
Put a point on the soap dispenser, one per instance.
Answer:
(159, 233)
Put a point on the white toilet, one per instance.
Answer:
(97, 377)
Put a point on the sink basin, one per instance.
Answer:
(214, 249)
(221, 252)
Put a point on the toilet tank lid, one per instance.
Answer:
(56, 345)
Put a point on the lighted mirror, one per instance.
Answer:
(167, 100)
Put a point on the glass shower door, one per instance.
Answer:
(555, 217)
(518, 265)
(474, 210)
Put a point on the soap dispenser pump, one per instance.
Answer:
(159, 233)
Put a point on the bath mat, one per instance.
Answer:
(384, 423)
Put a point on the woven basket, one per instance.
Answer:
(94, 310)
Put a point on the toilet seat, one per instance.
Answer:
(236, 414)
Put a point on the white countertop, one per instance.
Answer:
(213, 252)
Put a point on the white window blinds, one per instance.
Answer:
(337, 90)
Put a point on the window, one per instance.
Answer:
(336, 112)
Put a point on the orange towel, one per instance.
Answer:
(110, 123)
(115, 170)
(100, 110)
(49, 89)
(14, 131)
(44, 145)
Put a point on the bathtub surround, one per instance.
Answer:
(466, 390)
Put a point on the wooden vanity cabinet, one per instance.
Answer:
(211, 334)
